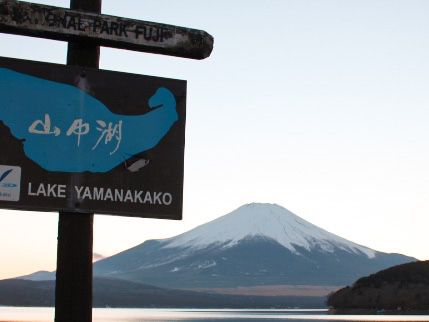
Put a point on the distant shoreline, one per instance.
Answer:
(45, 314)
(377, 312)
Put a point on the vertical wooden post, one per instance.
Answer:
(73, 291)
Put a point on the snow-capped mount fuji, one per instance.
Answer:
(266, 221)
(257, 244)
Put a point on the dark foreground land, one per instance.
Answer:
(125, 294)
(403, 287)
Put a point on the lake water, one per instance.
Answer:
(14, 314)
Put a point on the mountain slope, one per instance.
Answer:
(39, 276)
(119, 293)
(257, 244)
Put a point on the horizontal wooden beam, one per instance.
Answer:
(36, 20)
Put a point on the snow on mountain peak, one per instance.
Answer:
(269, 221)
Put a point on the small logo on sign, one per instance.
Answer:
(10, 179)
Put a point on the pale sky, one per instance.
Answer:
(319, 106)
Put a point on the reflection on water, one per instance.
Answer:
(14, 314)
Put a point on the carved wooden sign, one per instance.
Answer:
(36, 20)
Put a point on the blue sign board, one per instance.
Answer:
(87, 140)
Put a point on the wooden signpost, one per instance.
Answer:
(73, 283)
(85, 29)
(43, 21)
